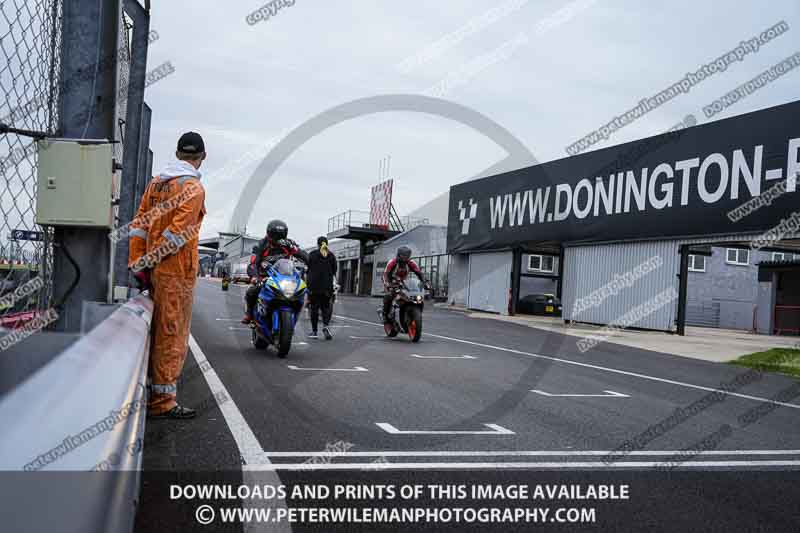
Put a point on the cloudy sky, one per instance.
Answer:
(550, 71)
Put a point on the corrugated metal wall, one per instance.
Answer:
(458, 279)
(590, 267)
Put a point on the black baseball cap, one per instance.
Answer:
(191, 143)
(321, 240)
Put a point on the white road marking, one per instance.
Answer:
(530, 453)
(354, 369)
(608, 394)
(228, 319)
(246, 441)
(494, 429)
(509, 466)
(374, 337)
(598, 367)
(249, 448)
(234, 328)
(442, 356)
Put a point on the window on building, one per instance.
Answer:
(541, 263)
(736, 256)
(778, 256)
(697, 263)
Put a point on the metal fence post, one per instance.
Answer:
(143, 175)
(89, 58)
(516, 266)
(149, 168)
(683, 287)
(133, 131)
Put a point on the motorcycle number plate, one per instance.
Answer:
(548, 309)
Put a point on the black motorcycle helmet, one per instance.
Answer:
(403, 254)
(277, 230)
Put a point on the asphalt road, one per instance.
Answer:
(477, 401)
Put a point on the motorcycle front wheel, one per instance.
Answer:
(285, 333)
(414, 324)
(390, 330)
(258, 342)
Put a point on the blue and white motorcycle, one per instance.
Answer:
(280, 300)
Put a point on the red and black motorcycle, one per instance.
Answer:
(405, 314)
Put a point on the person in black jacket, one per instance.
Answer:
(320, 277)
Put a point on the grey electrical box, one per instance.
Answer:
(75, 183)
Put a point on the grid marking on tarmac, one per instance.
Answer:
(257, 460)
(597, 367)
(608, 394)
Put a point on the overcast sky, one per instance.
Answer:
(550, 71)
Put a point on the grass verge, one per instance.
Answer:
(781, 360)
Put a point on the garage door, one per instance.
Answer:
(489, 281)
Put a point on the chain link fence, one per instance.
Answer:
(30, 43)
(123, 77)
(30, 85)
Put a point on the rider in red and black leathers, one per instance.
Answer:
(273, 246)
(397, 271)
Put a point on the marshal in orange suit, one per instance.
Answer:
(163, 257)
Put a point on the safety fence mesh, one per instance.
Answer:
(30, 45)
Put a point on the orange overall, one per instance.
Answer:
(164, 238)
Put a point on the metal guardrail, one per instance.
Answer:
(72, 432)
(410, 222)
(361, 219)
(348, 219)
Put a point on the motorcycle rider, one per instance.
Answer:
(273, 246)
(396, 272)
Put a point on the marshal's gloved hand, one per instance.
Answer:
(142, 278)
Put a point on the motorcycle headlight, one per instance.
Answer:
(419, 298)
(288, 287)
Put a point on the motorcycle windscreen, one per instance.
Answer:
(284, 267)
(414, 286)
